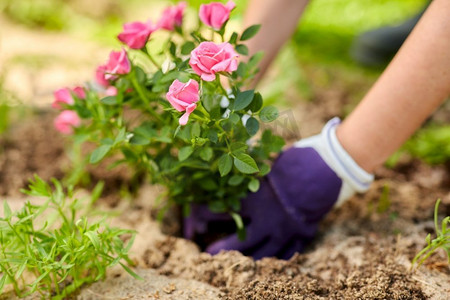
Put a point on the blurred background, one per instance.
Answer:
(48, 44)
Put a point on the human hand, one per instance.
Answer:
(282, 217)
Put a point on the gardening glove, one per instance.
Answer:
(305, 182)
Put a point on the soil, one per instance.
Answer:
(363, 250)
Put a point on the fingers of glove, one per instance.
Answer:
(293, 246)
(232, 242)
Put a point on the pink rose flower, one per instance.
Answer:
(136, 34)
(100, 76)
(183, 97)
(64, 95)
(209, 58)
(111, 91)
(79, 92)
(118, 63)
(172, 17)
(216, 14)
(66, 120)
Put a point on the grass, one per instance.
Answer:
(442, 240)
(55, 248)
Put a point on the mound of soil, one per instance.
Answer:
(363, 250)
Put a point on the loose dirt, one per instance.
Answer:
(363, 250)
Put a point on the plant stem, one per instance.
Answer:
(143, 97)
(151, 58)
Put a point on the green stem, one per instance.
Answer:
(151, 58)
(144, 97)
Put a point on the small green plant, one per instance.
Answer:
(55, 248)
(442, 239)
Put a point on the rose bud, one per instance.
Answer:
(209, 58)
(64, 95)
(118, 63)
(183, 97)
(66, 120)
(136, 34)
(100, 76)
(172, 17)
(216, 14)
(79, 92)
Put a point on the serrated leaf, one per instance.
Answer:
(268, 114)
(238, 147)
(225, 164)
(187, 48)
(250, 32)
(206, 153)
(109, 100)
(234, 118)
(243, 99)
(185, 152)
(235, 180)
(253, 185)
(245, 163)
(256, 103)
(242, 49)
(252, 126)
(98, 154)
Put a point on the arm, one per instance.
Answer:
(278, 21)
(415, 83)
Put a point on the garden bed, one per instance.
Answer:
(363, 250)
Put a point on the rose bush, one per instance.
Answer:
(167, 115)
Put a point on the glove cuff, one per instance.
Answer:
(327, 144)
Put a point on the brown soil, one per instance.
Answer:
(363, 250)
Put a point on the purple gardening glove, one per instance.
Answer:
(306, 181)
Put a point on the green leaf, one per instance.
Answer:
(7, 210)
(140, 75)
(234, 118)
(121, 136)
(109, 100)
(212, 136)
(242, 49)
(206, 153)
(173, 49)
(238, 147)
(139, 140)
(256, 103)
(250, 32)
(225, 164)
(268, 114)
(253, 185)
(95, 240)
(185, 152)
(99, 153)
(245, 163)
(252, 126)
(233, 38)
(235, 180)
(129, 271)
(217, 206)
(208, 184)
(239, 224)
(187, 48)
(264, 169)
(243, 99)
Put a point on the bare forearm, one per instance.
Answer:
(415, 83)
(278, 21)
